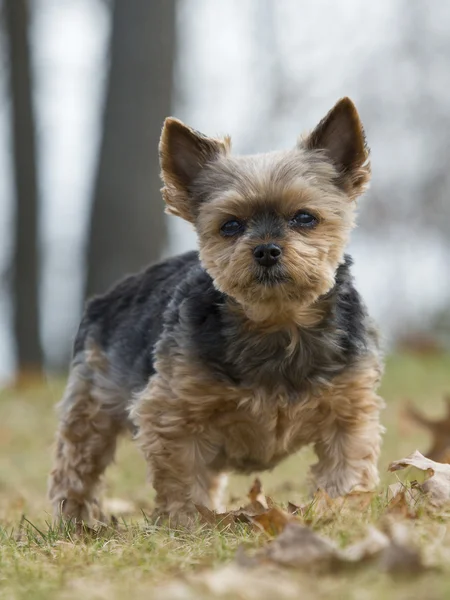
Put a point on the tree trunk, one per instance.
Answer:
(128, 227)
(25, 288)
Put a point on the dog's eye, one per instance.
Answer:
(303, 219)
(232, 227)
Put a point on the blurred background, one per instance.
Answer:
(84, 89)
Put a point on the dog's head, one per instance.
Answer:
(272, 228)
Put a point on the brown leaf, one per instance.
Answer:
(258, 501)
(319, 507)
(439, 429)
(273, 521)
(403, 500)
(299, 546)
(437, 484)
(293, 509)
(255, 494)
(400, 557)
(259, 506)
(222, 520)
(207, 516)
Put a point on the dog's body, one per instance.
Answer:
(236, 359)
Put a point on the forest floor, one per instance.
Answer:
(406, 554)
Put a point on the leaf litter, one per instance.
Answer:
(260, 513)
(294, 543)
(436, 486)
(289, 539)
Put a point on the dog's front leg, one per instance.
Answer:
(349, 437)
(347, 460)
(179, 453)
(181, 478)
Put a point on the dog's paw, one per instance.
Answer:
(344, 482)
(180, 519)
(78, 511)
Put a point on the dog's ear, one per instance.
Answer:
(340, 135)
(183, 153)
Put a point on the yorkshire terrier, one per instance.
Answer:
(233, 358)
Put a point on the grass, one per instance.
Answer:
(140, 560)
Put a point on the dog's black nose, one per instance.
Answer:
(267, 255)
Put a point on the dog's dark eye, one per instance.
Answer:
(303, 219)
(232, 227)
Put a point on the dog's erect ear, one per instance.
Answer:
(341, 136)
(183, 153)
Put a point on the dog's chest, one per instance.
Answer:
(257, 431)
(271, 405)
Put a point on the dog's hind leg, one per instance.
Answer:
(85, 446)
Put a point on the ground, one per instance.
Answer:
(141, 560)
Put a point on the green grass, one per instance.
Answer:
(141, 560)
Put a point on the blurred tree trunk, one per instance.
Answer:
(25, 286)
(128, 227)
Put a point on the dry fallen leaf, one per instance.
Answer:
(437, 484)
(293, 509)
(261, 577)
(222, 520)
(260, 513)
(404, 501)
(320, 507)
(273, 521)
(299, 546)
(400, 557)
(439, 429)
(256, 496)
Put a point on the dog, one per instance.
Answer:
(234, 357)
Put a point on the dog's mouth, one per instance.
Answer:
(271, 276)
